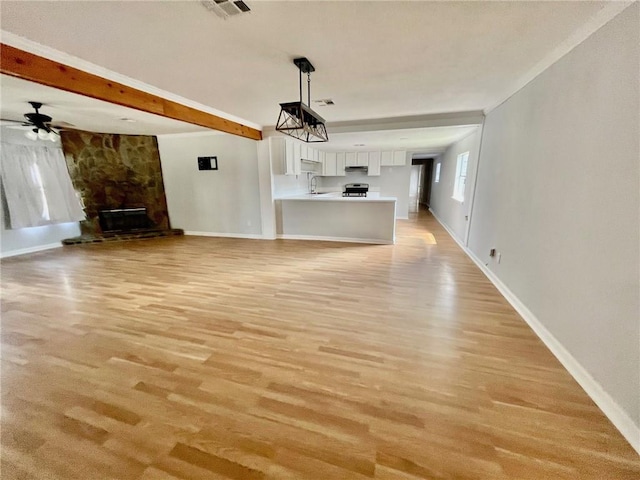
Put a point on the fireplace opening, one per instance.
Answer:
(115, 220)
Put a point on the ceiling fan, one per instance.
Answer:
(40, 126)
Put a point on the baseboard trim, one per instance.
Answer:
(375, 241)
(620, 419)
(255, 236)
(24, 251)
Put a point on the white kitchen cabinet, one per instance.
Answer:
(350, 159)
(374, 164)
(399, 157)
(276, 152)
(315, 156)
(340, 164)
(283, 157)
(362, 159)
(296, 150)
(304, 151)
(293, 166)
(322, 158)
(386, 159)
(330, 164)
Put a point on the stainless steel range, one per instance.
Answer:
(355, 190)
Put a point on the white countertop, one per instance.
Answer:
(337, 197)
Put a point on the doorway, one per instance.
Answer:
(420, 184)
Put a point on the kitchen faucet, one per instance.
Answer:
(313, 183)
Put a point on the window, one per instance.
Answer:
(37, 186)
(438, 172)
(461, 177)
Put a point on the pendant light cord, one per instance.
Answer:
(308, 87)
(300, 76)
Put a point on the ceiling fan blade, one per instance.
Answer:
(6, 121)
(61, 124)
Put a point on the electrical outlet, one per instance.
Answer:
(492, 252)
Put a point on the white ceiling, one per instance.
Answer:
(374, 59)
(83, 112)
(89, 114)
(393, 61)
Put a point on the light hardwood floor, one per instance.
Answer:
(202, 358)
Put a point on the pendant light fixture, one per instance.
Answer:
(297, 119)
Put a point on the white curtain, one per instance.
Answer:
(37, 186)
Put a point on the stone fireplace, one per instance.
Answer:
(119, 180)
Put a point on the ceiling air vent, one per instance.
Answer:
(226, 8)
(324, 102)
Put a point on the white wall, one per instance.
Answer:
(452, 212)
(24, 240)
(558, 196)
(284, 185)
(392, 182)
(224, 201)
(267, 203)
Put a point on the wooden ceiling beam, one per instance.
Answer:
(25, 65)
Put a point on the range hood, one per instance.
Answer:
(357, 168)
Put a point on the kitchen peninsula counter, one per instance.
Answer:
(332, 217)
(337, 197)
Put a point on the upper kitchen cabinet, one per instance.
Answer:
(374, 164)
(283, 157)
(340, 163)
(399, 157)
(304, 151)
(296, 150)
(330, 165)
(395, 158)
(362, 159)
(310, 160)
(350, 159)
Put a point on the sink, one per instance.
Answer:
(320, 193)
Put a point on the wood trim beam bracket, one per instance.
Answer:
(25, 65)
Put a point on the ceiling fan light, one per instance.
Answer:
(31, 134)
(43, 134)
